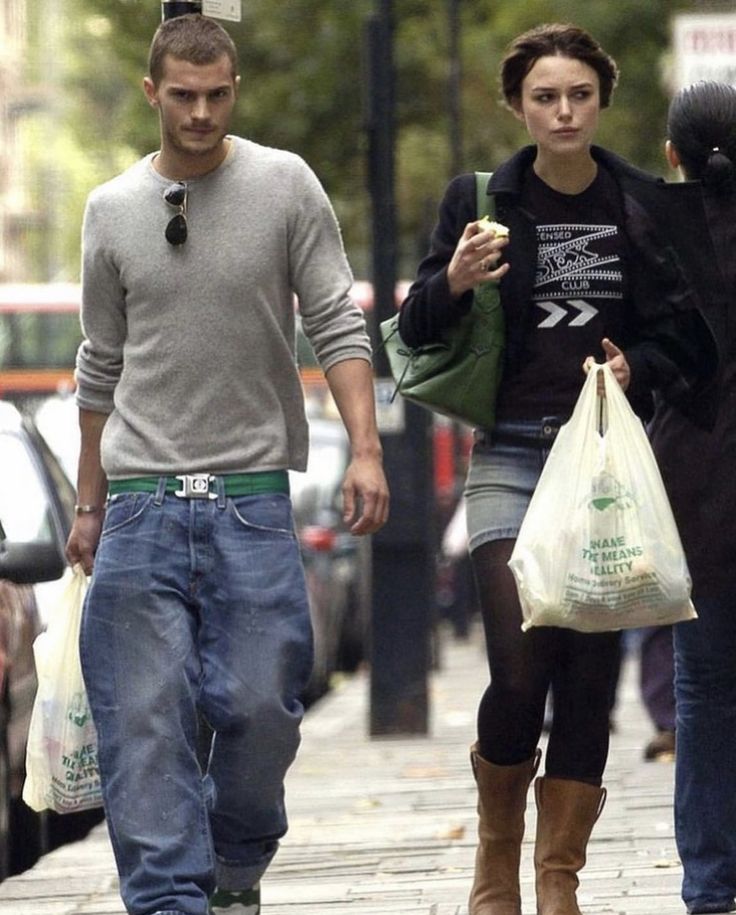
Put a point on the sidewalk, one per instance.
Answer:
(387, 827)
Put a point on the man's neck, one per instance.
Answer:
(181, 167)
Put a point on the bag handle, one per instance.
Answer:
(485, 203)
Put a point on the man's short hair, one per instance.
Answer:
(193, 38)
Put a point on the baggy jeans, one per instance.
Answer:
(705, 777)
(195, 607)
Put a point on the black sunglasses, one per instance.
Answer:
(176, 230)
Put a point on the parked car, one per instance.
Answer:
(36, 509)
(57, 419)
(337, 564)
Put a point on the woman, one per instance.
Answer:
(584, 271)
(702, 143)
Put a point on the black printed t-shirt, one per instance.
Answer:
(580, 295)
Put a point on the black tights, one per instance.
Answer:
(579, 667)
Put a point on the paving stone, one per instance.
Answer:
(388, 826)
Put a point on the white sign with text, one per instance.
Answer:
(704, 48)
(223, 9)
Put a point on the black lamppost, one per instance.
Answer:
(172, 8)
(455, 79)
(403, 589)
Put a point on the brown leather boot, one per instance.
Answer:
(502, 792)
(566, 813)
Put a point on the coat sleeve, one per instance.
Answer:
(428, 307)
(674, 350)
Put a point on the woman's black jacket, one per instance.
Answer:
(697, 464)
(672, 347)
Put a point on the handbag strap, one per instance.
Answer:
(486, 295)
(485, 203)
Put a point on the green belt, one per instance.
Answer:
(204, 486)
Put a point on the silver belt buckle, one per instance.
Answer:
(195, 486)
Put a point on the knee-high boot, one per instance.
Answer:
(502, 793)
(566, 813)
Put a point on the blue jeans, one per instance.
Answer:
(657, 675)
(705, 777)
(195, 607)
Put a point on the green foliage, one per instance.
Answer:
(635, 33)
(303, 89)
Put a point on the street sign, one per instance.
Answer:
(223, 9)
(704, 48)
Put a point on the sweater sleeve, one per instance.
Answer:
(429, 308)
(321, 276)
(100, 355)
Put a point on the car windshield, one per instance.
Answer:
(24, 507)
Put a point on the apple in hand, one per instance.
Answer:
(486, 224)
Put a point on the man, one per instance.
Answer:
(191, 412)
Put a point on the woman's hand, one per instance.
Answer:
(475, 259)
(617, 362)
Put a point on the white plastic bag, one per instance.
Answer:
(61, 756)
(598, 548)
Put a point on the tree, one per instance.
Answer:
(301, 63)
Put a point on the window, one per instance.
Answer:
(24, 507)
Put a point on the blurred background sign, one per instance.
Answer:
(704, 48)
(217, 9)
(223, 9)
(390, 415)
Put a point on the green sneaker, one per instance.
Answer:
(247, 902)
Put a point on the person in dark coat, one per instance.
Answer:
(591, 266)
(697, 466)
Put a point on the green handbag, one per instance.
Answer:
(458, 376)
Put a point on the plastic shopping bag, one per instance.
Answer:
(61, 756)
(598, 548)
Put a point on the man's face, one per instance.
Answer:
(195, 105)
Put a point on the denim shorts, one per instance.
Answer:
(505, 466)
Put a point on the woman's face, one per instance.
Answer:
(560, 104)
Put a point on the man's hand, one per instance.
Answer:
(365, 496)
(83, 539)
(91, 491)
(364, 490)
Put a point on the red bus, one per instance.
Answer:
(39, 336)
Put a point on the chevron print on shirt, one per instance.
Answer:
(576, 263)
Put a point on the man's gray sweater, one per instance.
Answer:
(191, 348)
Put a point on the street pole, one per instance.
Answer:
(454, 90)
(457, 163)
(403, 575)
(172, 8)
